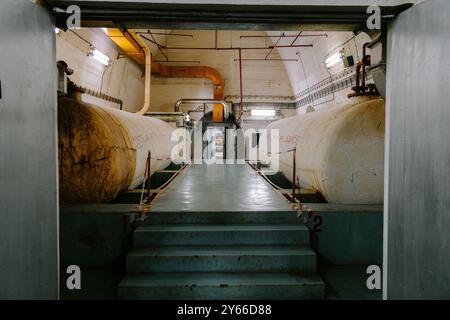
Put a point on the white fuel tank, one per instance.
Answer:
(103, 151)
(339, 151)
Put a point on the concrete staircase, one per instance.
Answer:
(221, 255)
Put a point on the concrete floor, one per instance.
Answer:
(220, 187)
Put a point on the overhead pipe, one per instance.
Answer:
(164, 113)
(192, 72)
(172, 71)
(178, 61)
(158, 46)
(276, 43)
(148, 80)
(240, 48)
(189, 72)
(139, 51)
(215, 47)
(295, 39)
(250, 59)
(178, 117)
(136, 49)
(171, 34)
(286, 36)
(213, 101)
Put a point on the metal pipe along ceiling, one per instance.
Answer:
(192, 72)
(136, 49)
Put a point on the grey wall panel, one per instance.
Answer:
(418, 237)
(28, 154)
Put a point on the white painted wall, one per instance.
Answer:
(123, 79)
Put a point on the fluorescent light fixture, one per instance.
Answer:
(333, 59)
(263, 112)
(100, 56)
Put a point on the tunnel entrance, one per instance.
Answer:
(111, 73)
(285, 28)
(254, 81)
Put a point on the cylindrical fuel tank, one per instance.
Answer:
(103, 151)
(339, 151)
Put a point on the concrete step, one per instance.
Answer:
(255, 286)
(220, 235)
(235, 217)
(222, 259)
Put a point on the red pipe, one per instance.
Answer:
(292, 43)
(288, 36)
(293, 46)
(166, 34)
(238, 48)
(178, 61)
(159, 46)
(267, 55)
(294, 60)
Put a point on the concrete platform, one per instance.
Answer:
(220, 188)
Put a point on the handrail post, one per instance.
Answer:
(149, 157)
(293, 173)
(257, 156)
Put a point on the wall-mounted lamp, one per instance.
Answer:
(99, 56)
(263, 112)
(334, 59)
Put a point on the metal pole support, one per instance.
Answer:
(293, 173)
(149, 159)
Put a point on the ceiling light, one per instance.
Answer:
(57, 30)
(263, 112)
